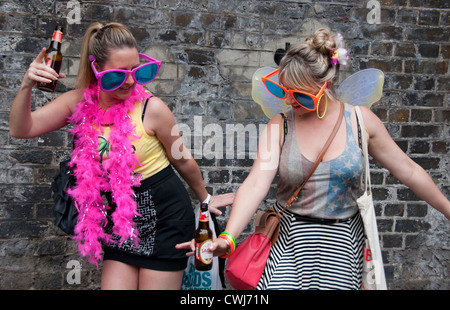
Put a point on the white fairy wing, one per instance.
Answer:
(270, 104)
(362, 88)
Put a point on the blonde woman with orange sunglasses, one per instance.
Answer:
(320, 243)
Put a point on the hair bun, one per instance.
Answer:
(322, 41)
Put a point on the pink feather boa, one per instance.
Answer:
(115, 175)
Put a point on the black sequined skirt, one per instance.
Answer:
(167, 218)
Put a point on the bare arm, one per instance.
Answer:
(254, 189)
(256, 186)
(26, 124)
(386, 151)
(162, 124)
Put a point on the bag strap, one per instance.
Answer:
(319, 158)
(143, 111)
(363, 133)
(285, 128)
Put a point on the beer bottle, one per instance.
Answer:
(203, 240)
(53, 58)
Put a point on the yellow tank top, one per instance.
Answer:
(149, 150)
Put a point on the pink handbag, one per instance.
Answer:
(245, 266)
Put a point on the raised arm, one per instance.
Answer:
(26, 124)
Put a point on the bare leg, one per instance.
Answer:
(119, 276)
(160, 280)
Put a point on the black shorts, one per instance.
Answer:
(167, 218)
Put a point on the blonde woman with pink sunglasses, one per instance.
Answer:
(133, 208)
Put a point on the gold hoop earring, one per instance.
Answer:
(326, 106)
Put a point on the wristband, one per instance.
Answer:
(208, 198)
(230, 249)
(231, 242)
(230, 236)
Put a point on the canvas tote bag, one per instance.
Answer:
(373, 277)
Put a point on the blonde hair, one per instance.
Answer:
(99, 40)
(308, 65)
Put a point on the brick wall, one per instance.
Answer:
(210, 49)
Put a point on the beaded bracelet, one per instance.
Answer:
(231, 243)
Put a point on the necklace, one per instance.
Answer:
(106, 118)
(93, 178)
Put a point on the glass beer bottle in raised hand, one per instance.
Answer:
(53, 58)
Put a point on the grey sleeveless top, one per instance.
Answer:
(332, 190)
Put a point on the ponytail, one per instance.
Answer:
(99, 41)
(85, 74)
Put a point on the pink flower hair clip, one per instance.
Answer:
(339, 55)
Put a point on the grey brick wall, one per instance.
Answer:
(210, 49)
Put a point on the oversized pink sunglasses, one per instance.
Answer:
(110, 80)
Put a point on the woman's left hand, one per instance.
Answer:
(188, 245)
(220, 201)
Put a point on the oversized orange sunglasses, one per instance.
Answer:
(306, 100)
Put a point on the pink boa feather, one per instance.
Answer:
(115, 175)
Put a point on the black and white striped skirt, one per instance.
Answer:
(312, 256)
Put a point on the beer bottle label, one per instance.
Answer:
(47, 61)
(57, 36)
(204, 216)
(202, 254)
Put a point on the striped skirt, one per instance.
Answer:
(311, 256)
